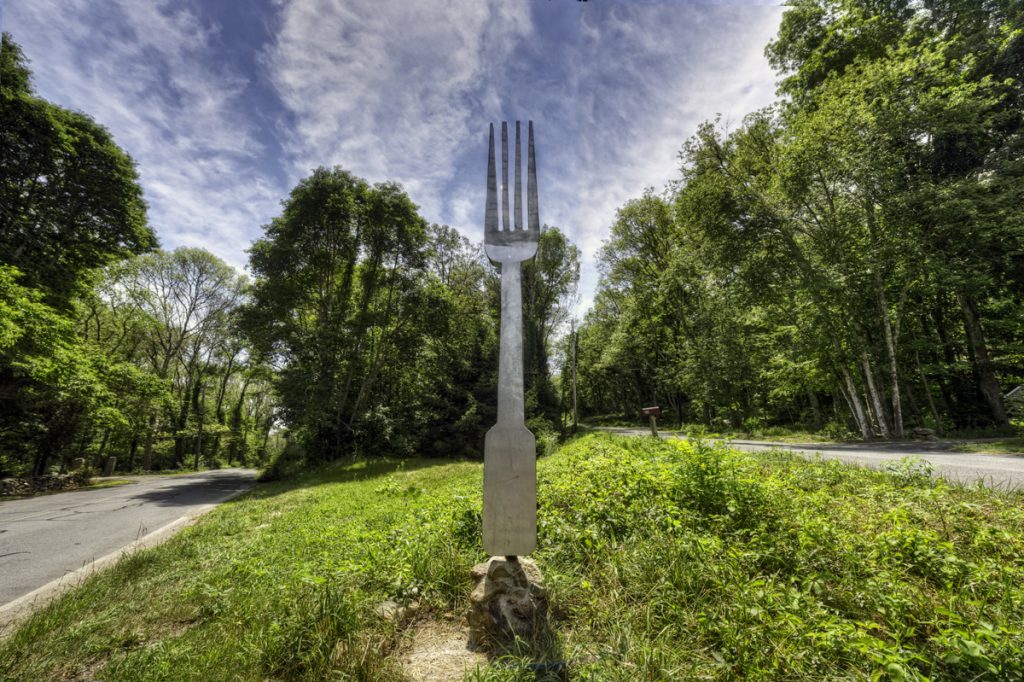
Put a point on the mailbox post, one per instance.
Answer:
(652, 413)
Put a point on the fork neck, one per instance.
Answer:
(510, 360)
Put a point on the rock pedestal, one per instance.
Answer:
(508, 600)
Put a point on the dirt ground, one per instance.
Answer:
(439, 651)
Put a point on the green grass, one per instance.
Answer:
(774, 434)
(664, 561)
(1006, 446)
(771, 434)
(109, 483)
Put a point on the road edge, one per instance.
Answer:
(13, 613)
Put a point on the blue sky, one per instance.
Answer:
(225, 104)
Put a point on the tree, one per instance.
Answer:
(336, 295)
(69, 196)
(820, 254)
(69, 204)
(549, 290)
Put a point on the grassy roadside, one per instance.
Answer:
(776, 435)
(1006, 446)
(986, 442)
(107, 482)
(92, 485)
(665, 560)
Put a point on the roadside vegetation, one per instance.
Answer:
(1006, 446)
(664, 560)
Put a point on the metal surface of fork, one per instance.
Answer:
(510, 459)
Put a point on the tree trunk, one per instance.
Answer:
(189, 395)
(877, 404)
(132, 450)
(987, 382)
(147, 450)
(812, 398)
(200, 416)
(267, 425)
(856, 407)
(928, 394)
(890, 347)
(913, 407)
(39, 467)
(103, 445)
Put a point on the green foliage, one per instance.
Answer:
(851, 255)
(692, 561)
(14, 74)
(339, 296)
(386, 328)
(549, 281)
(287, 463)
(49, 383)
(74, 332)
(911, 471)
(70, 196)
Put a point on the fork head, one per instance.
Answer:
(507, 243)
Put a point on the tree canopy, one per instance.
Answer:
(851, 255)
(70, 201)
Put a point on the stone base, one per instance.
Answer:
(508, 600)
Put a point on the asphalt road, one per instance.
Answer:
(43, 538)
(996, 471)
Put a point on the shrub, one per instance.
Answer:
(837, 431)
(287, 462)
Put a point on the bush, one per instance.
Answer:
(754, 425)
(287, 462)
(545, 433)
(692, 561)
(837, 431)
(911, 472)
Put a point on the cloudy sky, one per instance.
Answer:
(225, 105)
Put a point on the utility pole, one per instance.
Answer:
(574, 344)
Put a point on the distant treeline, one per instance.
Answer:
(851, 257)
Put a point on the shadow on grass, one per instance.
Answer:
(539, 657)
(344, 471)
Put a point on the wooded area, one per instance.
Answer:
(849, 259)
(365, 330)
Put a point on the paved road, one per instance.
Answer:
(996, 471)
(43, 538)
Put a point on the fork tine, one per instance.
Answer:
(504, 176)
(491, 215)
(519, 181)
(531, 186)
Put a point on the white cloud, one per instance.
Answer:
(671, 68)
(613, 104)
(146, 72)
(399, 90)
(388, 89)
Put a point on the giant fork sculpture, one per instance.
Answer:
(510, 456)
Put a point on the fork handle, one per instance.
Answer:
(510, 360)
